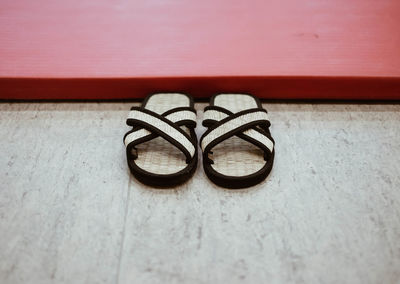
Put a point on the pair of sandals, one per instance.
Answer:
(161, 148)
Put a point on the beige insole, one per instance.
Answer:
(235, 156)
(158, 156)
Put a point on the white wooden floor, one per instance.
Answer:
(71, 213)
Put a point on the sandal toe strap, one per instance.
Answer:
(251, 125)
(148, 125)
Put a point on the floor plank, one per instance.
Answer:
(63, 192)
(328, 213)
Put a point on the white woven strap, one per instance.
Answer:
(163, 126)
(182, 115)
(213, 114)
(233, 124)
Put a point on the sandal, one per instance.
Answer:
(161, 148)
(238, 134)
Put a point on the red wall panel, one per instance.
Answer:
(125, 49)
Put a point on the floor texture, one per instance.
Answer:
(71, 213)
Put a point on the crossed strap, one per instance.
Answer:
(251, 125)
(148, 125)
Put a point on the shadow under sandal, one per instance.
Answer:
(238, 150)
(161, 148)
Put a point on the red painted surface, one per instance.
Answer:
(101, 49)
